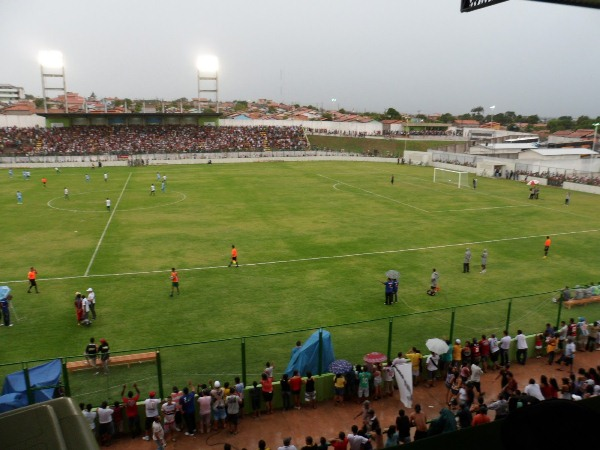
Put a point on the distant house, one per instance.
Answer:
(557, 153)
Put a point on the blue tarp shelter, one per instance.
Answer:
(14, 391)
(306, 358)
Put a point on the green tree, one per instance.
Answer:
(532, 120)
(240, 105)
(447, 118)
(583, 122)
(391, 113)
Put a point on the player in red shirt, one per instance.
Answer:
(233, 256)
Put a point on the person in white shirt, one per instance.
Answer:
(533, 389)
(152, 405)
(106, 428)
(158, 434)
(91, 296)
(287, 444)
(475, 378)
(504, 348)
(521, 348)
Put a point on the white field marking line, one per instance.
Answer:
(372, 193)
(480, 209)
(182, 197)
(316, 258)
(87, 271)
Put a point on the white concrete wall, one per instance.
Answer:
(21, 121)
(340, 127)
(581, 187)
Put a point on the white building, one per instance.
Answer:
(10, 93)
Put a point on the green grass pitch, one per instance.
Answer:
(315, 240)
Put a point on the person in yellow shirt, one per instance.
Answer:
(339, 384)
(457, 353)
(415, 358)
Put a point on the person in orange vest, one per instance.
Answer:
(233, 257)
(547, 246)
(44, 181)
(32, 283)
(174, 281)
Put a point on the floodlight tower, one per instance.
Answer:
(208, 75)
(52, 66)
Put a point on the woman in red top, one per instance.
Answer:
(548, 390)
(267, 392)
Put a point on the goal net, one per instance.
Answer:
(453, 177)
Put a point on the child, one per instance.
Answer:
(539, 339)
(377, 381)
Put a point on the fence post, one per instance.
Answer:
(161, 393)
(508, 314)
(320, 370)
(389, 350)
(244, 361)
(453, 316)
(65, 375)
(30, 398)
(559, 312)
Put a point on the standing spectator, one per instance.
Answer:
(233, 409)
(568, 355)
(286, 392)
(551, 342)
(310, 393)
(131, 410)
(475, 352)
(547, 244)
(418, 419)
(31, 276)
(415, 358)
(562, 335)
(5, 308)
(504, 348)
(494, 350)
(106, 430)
(152, 410)
(91, 353)
(396, 285)
(484, 351)
(204, 406)
(364, 378)
(267, 392)
(521, 348)
(432, 367)
(189, 410)
(104, 350)
(388, 380)
(91, 296)
(234, 255)
(174, 281)
(158, 433)
(176, 395)
(475, 378)
(218, 405)
(457, 353)
(403, 427)
(269, 369)
(484, 258)
(339, 385)
(90, 416)
(255, 394)
(239, 389)
(539, 345)
(117, 418)
(296, 386)
(467, 261)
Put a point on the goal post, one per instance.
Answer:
(452, 177)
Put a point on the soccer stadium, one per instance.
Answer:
(196, 279)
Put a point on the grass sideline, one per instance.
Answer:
(315, 239)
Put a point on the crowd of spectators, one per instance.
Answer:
(98, 140)
(216, 406)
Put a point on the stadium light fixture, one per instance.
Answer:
(595, 125)
(208, 71)
(52, 67)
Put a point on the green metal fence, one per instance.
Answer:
(245, 356)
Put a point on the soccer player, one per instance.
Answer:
(32, 283)
(547, 246)
(66, 194)
(174, 281)
(44, 181)
(105, 177)
(152, 189)
(108, 204)
(234, 255)
(19, 198)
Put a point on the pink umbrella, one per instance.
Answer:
(533, 183)
(374, 357)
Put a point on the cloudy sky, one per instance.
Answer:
(412, 55)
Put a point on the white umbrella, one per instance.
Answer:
(533, 183)
(437, 346)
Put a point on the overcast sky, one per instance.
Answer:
(412, 55)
